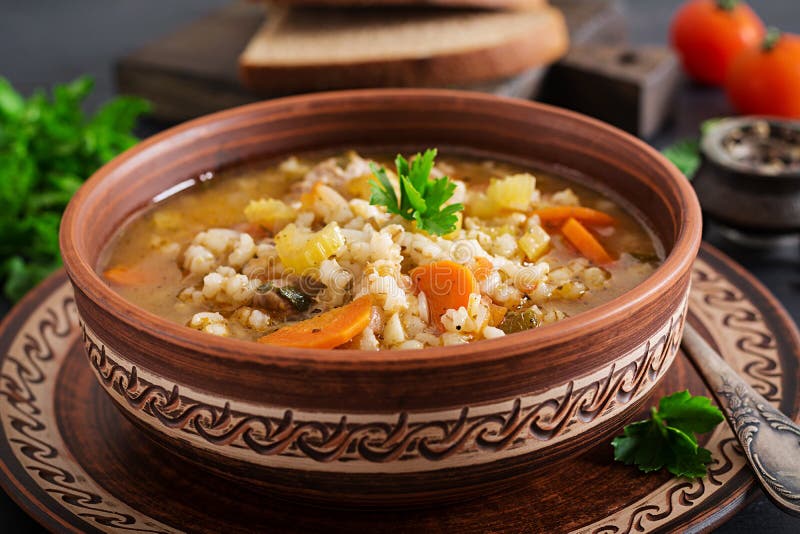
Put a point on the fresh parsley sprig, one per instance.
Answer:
(685, 153)
(48, 147)
(421, 198)
(668, 438)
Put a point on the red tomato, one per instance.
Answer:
(709, 34)
(765, 80)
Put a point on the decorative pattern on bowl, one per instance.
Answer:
(404, 442)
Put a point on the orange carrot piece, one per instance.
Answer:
(446, 284)
(559, 214)
(585, 242)
(327, 330)
(309, 198)
(483, 268)
(128, 276)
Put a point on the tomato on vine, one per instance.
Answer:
(709, 34)
(765, 79)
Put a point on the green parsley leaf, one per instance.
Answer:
(667, 439)
(685, 155)
(629, 449)
(420, 169)
(383, 191)
(708, 124)
(439, 223)
(687, 459)
(439, 191)
(422, 199)
(689, 414)
(411, 199)
(48, 147)
(401, 164)
(11, 103)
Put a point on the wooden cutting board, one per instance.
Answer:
(193, 71)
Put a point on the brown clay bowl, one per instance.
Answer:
(387, 428)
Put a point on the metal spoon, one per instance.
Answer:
(770, 440)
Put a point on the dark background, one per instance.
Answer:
(47, 41)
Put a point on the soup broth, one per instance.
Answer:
(287, 253)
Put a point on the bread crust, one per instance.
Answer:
(485, 4)
(537, 48)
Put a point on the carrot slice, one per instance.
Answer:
(446, 284)
(585, 242)
(128, 276)
(558, 214)
(483, 268)
(327, 330)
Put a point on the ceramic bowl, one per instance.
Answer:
(385, 428)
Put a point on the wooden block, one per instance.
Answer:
(193, 71)
(631, 88)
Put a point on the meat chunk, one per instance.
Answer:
(334, 172)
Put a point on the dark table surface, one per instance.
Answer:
(48, 41)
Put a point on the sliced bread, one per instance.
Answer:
(485, 4)
(303, 49)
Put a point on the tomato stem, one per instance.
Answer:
(727, 5)
(771, 39)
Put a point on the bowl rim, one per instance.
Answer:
(89, 282)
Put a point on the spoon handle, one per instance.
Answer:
(770, 440)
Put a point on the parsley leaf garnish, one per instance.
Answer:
(421, 199)
(48, 147)
(685, 154)
(668, 438)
